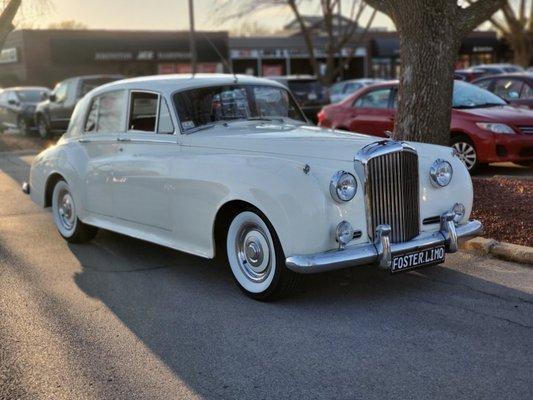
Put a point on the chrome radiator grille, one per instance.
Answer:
(392, 194)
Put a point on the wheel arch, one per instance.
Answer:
(51, 181)
(223, 218)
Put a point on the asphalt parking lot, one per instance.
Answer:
(123, 319)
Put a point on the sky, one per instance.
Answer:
(155, 15)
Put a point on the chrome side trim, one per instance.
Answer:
(369, 253)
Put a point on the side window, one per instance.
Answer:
(3, 97)
(484, 84)
(12, 97)
(527, 92)
(374, 99)
(107, 113)
(165, 124)
(508, 89)
(143, 111)
(60, 92)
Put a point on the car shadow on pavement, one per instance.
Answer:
(342, 334)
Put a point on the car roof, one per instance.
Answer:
(173, 82)
(291, 77)
(21, 88)
(523, 75)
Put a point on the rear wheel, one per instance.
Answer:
(256, 258)
(66, 218)
(42, 126)
(466, 151)
(23, 127)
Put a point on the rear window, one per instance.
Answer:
(308, 91)
(31, 96)
(89, 84)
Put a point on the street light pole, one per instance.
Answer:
(192, 37)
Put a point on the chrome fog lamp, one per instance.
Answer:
(459, 212)
(344, 233)
(343, 186)
(441, 173)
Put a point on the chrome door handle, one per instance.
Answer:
(123, 140)
(84, 141)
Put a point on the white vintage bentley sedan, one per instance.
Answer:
(228, 165)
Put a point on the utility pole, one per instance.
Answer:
(192, 37)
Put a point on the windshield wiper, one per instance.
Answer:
(483, 105)
(207, 126)
(268, 119)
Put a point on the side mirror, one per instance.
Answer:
(52, 98)
(12, 102)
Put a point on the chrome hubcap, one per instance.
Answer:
(253, 253)
(65, 209)
(466, 153)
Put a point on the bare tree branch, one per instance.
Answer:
(6, 19)
(478, 12)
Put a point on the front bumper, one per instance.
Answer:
(380, 253)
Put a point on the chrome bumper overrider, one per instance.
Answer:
(25, 187)
(381, 251)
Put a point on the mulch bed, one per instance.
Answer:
(505, 207)
(11, 142)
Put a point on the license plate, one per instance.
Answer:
(419, 258)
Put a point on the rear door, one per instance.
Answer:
(373, 112)
(105, 121)
(143, 189)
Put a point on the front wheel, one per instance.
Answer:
(66, 218)
(466, 152)
(256, 258)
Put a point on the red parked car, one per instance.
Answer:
(484, 127)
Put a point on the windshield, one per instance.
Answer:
(466, 95)
(207, 106)
(31, 96)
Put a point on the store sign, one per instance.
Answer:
(113, 56)
(173, 55)
(482, 49)
(8, 56)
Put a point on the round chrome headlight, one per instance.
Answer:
(441, 173)
(343, 186)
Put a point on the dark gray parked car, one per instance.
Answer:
(17, 107)
(53, 114)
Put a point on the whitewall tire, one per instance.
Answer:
(256, 258)
(65, 212)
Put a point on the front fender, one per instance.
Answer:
(297, 204)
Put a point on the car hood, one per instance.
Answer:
(286, 140)
(505, 114)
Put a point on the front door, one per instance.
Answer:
(372, 113)
(61, 107)
(143, 189)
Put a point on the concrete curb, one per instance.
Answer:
(505, 251)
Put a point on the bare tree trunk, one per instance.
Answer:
(430, 36)
(426, 82)
(6, 20)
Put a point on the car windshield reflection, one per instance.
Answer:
(202, 108)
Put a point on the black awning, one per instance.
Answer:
(479, 44)
(386, 47)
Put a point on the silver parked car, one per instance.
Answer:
(339, 91)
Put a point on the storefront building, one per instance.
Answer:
(44, 57)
